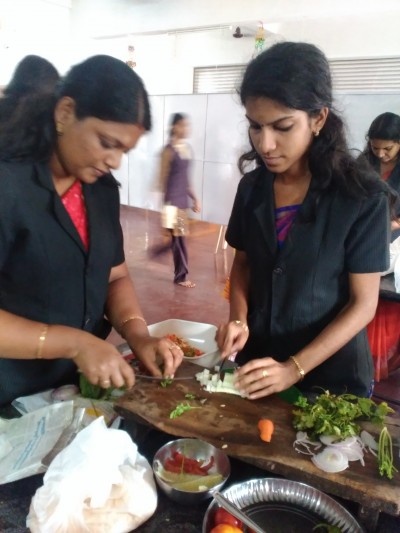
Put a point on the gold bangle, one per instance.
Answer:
(128, 319)
(242, 324)
(300, 369)
(42, 338)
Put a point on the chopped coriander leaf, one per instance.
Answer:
(336, 415)
(190, 396)
(180, 409)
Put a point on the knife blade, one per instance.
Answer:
(228, 365)
(157, 378)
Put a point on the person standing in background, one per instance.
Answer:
(176, 159)
(33, 76)
(383, 153)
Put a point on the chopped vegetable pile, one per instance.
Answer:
(187, 349)
(331, 420)
(336, 415)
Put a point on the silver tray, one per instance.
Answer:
(288, 504)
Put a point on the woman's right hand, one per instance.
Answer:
(231, 337)
(102, 364)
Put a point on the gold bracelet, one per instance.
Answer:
(300, 369)
(133, 317)
(242, 324)
(42, 338)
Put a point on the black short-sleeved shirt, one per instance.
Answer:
(46, 274)
(296, 291)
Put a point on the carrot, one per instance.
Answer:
(266, 428)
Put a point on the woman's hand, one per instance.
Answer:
(262, 377)
(102, 364)
(196, 206)
(231, 337)
(152, 351)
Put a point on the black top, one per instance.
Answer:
(296, 291)
(393, 181)
(46, 274)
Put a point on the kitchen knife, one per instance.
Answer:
(157, 378)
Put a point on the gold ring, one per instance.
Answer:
(105, 382)
(265, 373)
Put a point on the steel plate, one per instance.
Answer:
(282, 505)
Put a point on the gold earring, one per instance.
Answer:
(316, 133)
(59, 129)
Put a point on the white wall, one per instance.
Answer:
(67, 31)
(34, 27)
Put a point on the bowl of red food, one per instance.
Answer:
(190, 471)
(196, 339)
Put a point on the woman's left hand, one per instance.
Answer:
(262, 377)
(152, 351)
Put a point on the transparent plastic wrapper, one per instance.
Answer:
(394, 254)
(97, 484)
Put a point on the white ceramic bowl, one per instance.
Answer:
(197, 334)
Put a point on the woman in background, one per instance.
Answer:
(310, 228)
(63, 277)
(383, 153)
(33, 76)
(174, 177)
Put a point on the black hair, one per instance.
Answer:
(101, 86)
(33, 74)
(385, 127)
(297, 75)
(175, 119)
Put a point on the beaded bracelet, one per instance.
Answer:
(42, 338)
(128, 319)
(300, 369)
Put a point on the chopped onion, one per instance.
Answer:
(369, 441)
(330, 440)
(330, 460)
(303, 444)
(350, 447)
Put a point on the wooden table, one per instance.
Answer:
(230, 422)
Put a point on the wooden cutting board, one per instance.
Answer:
(230, 422)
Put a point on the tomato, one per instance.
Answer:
(224, 517)
(226, 528)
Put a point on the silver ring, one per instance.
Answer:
(105, 382)
(265, 373)
(172, 346)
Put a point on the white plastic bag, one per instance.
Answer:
(394, 254)
(97, 484)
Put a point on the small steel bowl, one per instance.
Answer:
(193, 449)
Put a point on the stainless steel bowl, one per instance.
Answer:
(194, 449)
(283, 505)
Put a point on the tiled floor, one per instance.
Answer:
(159, 297)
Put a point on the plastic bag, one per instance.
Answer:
(97, 484)
(394, 254)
